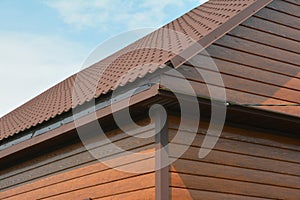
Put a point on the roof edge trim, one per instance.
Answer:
(83, 120)
(219, 32)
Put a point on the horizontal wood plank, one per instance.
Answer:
(136, 183)
(148, 194)
(61, 153)
(235, 173)
(190, 194)
(233, 187)
(245, 135)
(280, 17)
(286, 7)
(239, 83)
(235, 96)
(254, 61)
(81, 158)
(91, 180)
(236, 159)
(259, 49)
(266, 38)
(124, 162)
(241, 147)
(272, 27)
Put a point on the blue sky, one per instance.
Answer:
(42, 42)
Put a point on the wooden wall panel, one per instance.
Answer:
(102, 183)
(72, 171)
(243, 84)
(261, 37)
(244, 164)
(191, 194)
(258, 61)
(285, 7)
(232, 94)
(232, 187)
(135, 195)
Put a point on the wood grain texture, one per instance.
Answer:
(281, 17)
(73, 168)
(232, 187)
(241, 84)
(232, 94)
(286, 7)
(134, 195)
(62, 153)
(273, 28)
(191, 194)
(258, 62)
(244, 165)
(63, 185)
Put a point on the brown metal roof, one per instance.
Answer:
(204, 24)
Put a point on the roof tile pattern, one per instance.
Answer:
(144, 56)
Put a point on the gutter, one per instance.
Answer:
(84, 117)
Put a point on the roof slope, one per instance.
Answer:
(203, 24)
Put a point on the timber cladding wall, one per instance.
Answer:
(258, 60)
(243, 165)
(72, 173)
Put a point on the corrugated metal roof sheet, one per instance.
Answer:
(197, 24)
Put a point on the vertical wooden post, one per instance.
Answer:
(162, 177)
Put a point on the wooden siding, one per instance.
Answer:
(258, 60)
(243, 165)
(73, 173)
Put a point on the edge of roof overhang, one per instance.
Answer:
(256, 119)
(219, 32)
(70, 128)
(246, 117)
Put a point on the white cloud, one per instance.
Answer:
(30, 64)
(101, 13)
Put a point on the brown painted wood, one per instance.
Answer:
(242, 84)
(91, 170)
(285, 7)
(272, 27)
(57, 167)
(265, 38)
(254, 61)
(235, 173)
(104, 190)
(232, 187)
(239, 160)
(258, 61)
(60, 154)
(244, 148)
(262, 76)
(253, 165)
(294, 2)
(135, 195)
(232, 95)
(88, 181)
(245, 135)
(259, 49)
(280, 17)
(138, 182)
(64, 159)
(190, 194)
(162, 181)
